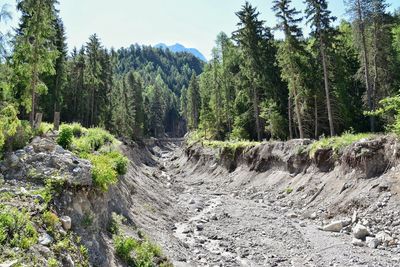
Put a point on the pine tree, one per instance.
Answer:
(34, 54)
(250, 36)
(194, 102)
(319, 17)
(289, 56)
(93, 77)
(360, 11)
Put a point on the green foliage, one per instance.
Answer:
(145, 251)
(52, 262)
(92, 140)
(104, 173)
(51, 220)
(16, 228)
(22, 136)
(65, 136)
(390, 112)
(119, 162)
(9, 123)
(43, 129)
(275, 123)
(337, 143)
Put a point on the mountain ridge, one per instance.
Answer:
(178, 48)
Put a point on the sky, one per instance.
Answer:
(193, 23)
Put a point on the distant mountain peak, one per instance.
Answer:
(176, 48)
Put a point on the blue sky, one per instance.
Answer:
(193, 23)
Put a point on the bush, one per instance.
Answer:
(50, 220)
(145, 251)
(65, 137)
(120, 163)
(337, 143)
(22, 136)
(77, 129)
(124, 246)
(16, 229)
(9, 123)
(43, 129)
(103, 171)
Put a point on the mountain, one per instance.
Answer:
(180, 48)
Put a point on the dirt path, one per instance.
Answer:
(225, 225)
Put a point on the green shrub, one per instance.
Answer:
(120, 162)
(43, 129)
(77, 129)
(103, 171)
(124, 246)
(337, 143)
(50, 220)
(22, 136)
(65, 137)
(9, 123)
(16, 229)
(145, 251)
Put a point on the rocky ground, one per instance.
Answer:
(265, 206)
(269, 218)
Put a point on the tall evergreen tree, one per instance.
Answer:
(250, 37)
(319, 17)
(289, 55)
(360, 11)
(193, 102)
(33, 53)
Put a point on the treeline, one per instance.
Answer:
(133, 92)
(257, 87)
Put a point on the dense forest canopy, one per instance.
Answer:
(254, 87)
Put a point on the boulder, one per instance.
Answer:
(45, 239)
(372, 242)
(335, 226)
(66, 222)
(360, 231)
(357, 242)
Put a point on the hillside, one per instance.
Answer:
(178, 48)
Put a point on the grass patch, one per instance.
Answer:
(16, 229)
(98, 146)
(144, 251)
(337, 143)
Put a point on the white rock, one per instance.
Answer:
(360, 231)
(313, 216)
(8, 263)
(291, 215)
(45, 239)
(383, 237)
(66, 222)
(372, 242)
(335, 226)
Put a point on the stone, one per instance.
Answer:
(383, 237)
(372, 242)
(360, 231)
(45, 251)
(357, 242)
(200, 227)
(313, 216)
(23, 191)
(66, 222)
(335, 226)
(9, 263)
(69, 262)
(291, 215)
(43, 145)
(13, 160)
(45, 239)
(192, 201)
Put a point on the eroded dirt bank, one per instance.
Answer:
(267, 206)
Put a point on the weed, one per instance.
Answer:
(65, 136)
(337, 143)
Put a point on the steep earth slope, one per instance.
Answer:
(269, 205)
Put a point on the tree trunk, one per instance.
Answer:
(326, 83)
(361, 28)
(257, 114)
(290, 116)
(298, 114)
(316, 117)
